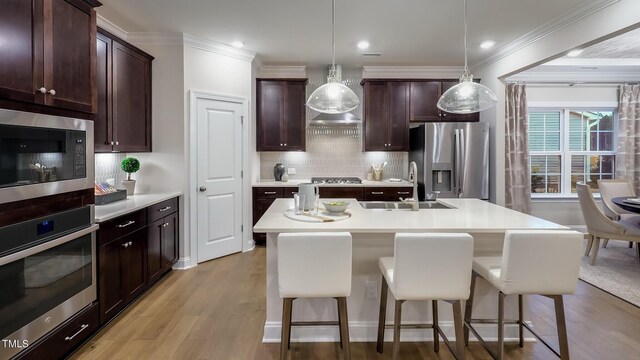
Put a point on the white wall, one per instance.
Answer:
(621, 16)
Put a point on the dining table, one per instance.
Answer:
(631, 204)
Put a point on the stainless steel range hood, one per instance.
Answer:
(335, 119)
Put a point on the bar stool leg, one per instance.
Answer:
(469, 307)
(396, 329)
(500, 326)
(436, 338)
(344, 326)
(340, 324)
(286, 327)
(520, 324)
(382, 318)
(595, 251)
(605, 242)
(458, 324)
(562, 327)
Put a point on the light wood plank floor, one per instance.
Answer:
(217, 311)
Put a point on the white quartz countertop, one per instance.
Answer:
(132, 203)
(469, 215)
(365, 183)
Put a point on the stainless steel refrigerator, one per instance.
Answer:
(452, 158)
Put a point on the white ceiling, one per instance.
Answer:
(298, 32)
(625, 46)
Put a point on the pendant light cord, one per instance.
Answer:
(333, 34)
(466, 68)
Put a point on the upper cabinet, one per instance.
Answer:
(123, 122)
(281, 122)
(424, 99)
(48, 58)
(386, 115)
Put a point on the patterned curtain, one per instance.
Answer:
(517, 172)
(628, 154)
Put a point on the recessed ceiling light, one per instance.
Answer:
(487, 44)
(237, 44)
(574, 53)
(363, 45)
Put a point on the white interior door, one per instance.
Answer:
(219, 169)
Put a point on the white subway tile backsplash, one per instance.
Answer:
(108, 167)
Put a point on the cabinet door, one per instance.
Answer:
(260, 206)
(447, 116)
(134, 279)
(110, 280)
(270, 108)
(21, 50)
(169, 241)
(347, 192)
(131, 100)
(102, 125)
(154, 251)
(375, 116)
(294, 120)
(398, 120)
(423, 101)
(70, 55)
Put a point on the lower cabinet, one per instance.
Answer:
(65, 338)
(161, 246)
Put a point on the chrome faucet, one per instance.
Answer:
(413, 176)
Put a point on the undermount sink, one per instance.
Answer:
(397, 205)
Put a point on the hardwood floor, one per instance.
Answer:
(217, 311)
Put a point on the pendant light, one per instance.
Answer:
(333, 97)
(467, 96)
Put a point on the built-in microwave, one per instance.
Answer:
(43, 155)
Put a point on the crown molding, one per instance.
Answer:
(267, 71)
(200, 43)
(411, 72)
(578, 13)
(541, 77)
(155, 38)
(111, 27)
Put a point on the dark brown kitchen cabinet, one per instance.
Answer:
(263, 197)
(424, 98)
(281, 119)
(123, 121)
(162, 246)
(386, 115)
(387, 193)
(48, 63)
(122, 272)
(346, 192)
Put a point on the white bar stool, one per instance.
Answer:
(312, 265)
(426, 267)
(544, 262)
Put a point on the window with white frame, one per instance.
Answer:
(567, 146)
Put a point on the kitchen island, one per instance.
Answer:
(373, 232)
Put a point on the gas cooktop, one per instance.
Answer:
(336, 180)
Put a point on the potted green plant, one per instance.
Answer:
(129, 165)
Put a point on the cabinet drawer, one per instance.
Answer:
(160, 210)
(289, 191)
(65, 337)
(268, 192)
(331, 192)
(387, 193)
(121, 226)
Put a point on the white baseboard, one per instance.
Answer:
(252, 245)
(362, 331)
(183, 264)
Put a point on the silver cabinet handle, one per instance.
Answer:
(285, 144)
(130, 222)
(203, 188)
(52, 92)
(444, 114)
(130, 243)
(377, 192)
(403, 193)
(82, 328)
(43, 90)
(117, 143)
(126, 245)
(165, 225)
(112, 143)
(165, 209)
(269, 192)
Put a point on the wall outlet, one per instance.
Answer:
(291, 171)
(371, 290)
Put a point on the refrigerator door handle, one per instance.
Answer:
(456, 164)
(462, 141)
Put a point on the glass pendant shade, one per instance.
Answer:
(333, 98)
(467, 97)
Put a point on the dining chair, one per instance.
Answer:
(610, 189)
(600, 226)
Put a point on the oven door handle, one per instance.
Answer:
(48, 245)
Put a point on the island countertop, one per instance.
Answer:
(468, 215)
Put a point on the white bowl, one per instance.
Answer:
(335, 208)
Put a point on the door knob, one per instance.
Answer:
(203, 188)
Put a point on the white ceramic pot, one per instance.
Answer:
(129, 185)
